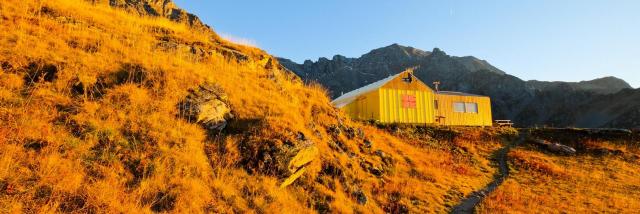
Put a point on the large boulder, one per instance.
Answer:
(208, 106)
(555, 147)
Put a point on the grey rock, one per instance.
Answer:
(375, 171)
(208, 106)
(158, 8)
(367, 144)
(555, 147)
(360, 197)
(386, 159)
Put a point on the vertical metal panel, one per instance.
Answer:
(429, 111)
(420, 105)
(392, 110)
(383, 108)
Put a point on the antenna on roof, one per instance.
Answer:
(437, 84)
(412, 69)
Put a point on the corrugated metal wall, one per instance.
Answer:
(393, 111)
(451, 118)
(365, 107)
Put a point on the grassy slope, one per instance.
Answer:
(602, 177)
(75, 136)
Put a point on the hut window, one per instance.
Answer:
(462, 107)
(458, 107)
(471, 108)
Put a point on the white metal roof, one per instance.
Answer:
(353, 95)
(459, 94)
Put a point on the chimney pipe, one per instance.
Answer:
(437, 85)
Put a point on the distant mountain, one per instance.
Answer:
(528, 103)
(605, 85)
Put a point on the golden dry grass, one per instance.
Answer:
(594, 181)
(89, 123)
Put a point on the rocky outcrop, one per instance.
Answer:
(208, 106)
(162, 8)
(555, 147)
(527, 103)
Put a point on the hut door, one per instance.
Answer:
(440, 120)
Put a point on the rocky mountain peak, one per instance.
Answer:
(396, 51)
(609, 81)
(339, 58)
(306, 62)
(323, 60)
(437, 51)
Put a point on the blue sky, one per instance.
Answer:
(542, 39)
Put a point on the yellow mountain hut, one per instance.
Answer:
(403, 98)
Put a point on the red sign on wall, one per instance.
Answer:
(408, 101)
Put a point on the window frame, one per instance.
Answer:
(462, 107)
(475, 105)
(458, 110)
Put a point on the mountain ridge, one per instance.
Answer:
(603, 85)
(473, 63)
(528, 103)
